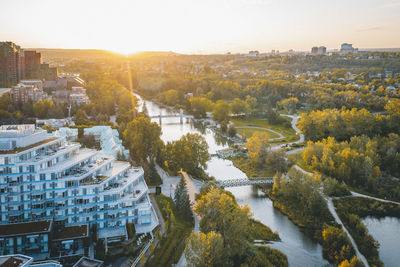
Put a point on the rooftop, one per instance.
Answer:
(20, 149)
(25, 228)
(86, 262)
(15, 260)
(72, 232)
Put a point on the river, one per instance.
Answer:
(299, 248)
(387, 232)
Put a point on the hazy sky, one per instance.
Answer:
(202, 26)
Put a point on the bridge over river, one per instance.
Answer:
(181, 116)
(245, 181)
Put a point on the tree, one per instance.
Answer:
(204, 249)
(200, 106)
(251, 102)
(258, 146)
(239, 106)
(143, 138)
(232, 131)
(221, 111)
(354, 262)
(182, 201)
(81, 118)
(41, 108)
(336, 245)
(277, 160)
(220, 213)
(189, 153)
(289, 104)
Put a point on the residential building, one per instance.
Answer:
(12, 64)
(22, 93)
(33, 60)
(78, 96)
(253, 53)
(318, 50)
(347, 49)
(47, 179)
(37, 83)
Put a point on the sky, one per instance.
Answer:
(201, 26)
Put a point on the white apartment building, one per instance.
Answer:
(47, 178)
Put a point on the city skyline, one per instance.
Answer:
(200, 27)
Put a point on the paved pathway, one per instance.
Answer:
(332, 210)
(375, 198)
(266, 129)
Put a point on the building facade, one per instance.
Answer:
(23, 93)
(47, 178)
(12, 64)
(33, 60)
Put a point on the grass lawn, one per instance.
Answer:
(251, 169)
(248, 132)
(171, 247)
(283, 128)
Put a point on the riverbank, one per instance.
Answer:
(299, 248)
(352, 210)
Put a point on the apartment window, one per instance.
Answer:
(42, 176)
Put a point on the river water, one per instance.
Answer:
(387, 232)
(299, 248)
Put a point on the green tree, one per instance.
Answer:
(182, 201)
(143, 138)
(277, 160)
(239, 106)
(189, 153)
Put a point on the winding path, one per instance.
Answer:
(281, 136)
(375, 198)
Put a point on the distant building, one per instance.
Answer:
(346, 48)
(37, 83)
(12, 64)
(33, 60)
(318, 50)
(253, 53)
(48, 73)
(17, 64)
(22, 93)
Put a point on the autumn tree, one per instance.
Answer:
(200, 105)
(221, 111)
(258, 146)
(204, 249)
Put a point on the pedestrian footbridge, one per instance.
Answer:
(245, 181)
